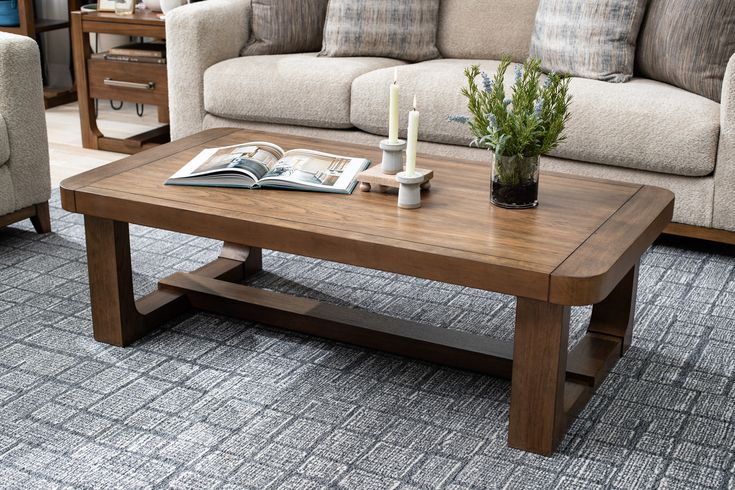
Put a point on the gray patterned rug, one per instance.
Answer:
(209, 402)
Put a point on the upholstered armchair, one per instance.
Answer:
(25, 185)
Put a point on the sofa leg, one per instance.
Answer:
(42, 219)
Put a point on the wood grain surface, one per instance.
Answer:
(573, 249)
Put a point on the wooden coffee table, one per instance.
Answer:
(581, 246)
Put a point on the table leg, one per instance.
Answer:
(615, 315)
(117, 317)
(163, 116)
(549, 385)
(537, 419)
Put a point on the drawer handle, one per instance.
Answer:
(135, 85)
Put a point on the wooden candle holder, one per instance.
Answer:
(374, 179)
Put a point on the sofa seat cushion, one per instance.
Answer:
(300, 89)
(4, 142)
(642, 124)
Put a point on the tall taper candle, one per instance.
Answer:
(413, 136)
(393, 117)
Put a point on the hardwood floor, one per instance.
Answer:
(65, 139)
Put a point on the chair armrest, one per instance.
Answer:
(22, 109)
(724, 210)
(198, 36)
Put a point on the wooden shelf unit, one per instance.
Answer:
(143, 83)
(31, 26)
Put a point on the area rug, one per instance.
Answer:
(210, 402)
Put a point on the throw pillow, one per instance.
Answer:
(688, 44)
(588, 38)
(400, 29)
(286, 26)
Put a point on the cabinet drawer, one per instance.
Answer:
(144, 83)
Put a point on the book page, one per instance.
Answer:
(253, 159)
(315, 169)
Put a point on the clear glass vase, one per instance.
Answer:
(515, 181)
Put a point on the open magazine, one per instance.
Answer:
(261, 164)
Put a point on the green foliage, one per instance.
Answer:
(529, 123)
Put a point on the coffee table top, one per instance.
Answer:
(573, 249)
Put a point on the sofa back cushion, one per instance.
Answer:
(687, 44)
(642, 125)
(402, 30)
(286, 26)
(481, 29)
(588, 38)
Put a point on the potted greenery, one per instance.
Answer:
(517, 129)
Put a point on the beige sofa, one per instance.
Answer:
(643, 131)
(25, 185)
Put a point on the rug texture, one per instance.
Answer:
(210, 402)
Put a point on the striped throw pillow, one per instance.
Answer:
(688, 44)
(588, 38)
(286, 26)
(400, 29)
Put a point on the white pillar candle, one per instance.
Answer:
(393, 115)
(412, 140)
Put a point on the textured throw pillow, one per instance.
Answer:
(588, 38)
(286, 26)
(400, 29)
(688, 44)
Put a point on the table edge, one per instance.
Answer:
(573, 282)
(582, 281)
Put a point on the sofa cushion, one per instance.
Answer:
(588, 39)
(642, 124)
(687, 44)
(480, 29)
(4, 142)
(273, 28)
(300, 89)
(405, 30)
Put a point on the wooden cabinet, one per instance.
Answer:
(142, 83)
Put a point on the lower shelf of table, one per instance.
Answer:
(587, 363)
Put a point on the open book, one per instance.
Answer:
(260, 164)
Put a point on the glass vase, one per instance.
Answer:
(515, 181)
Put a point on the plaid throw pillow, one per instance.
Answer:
(688, 44)
(400, 29)
(588, 38)
(286, 26)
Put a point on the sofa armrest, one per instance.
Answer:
(724, 210)
(22, 109)
(198, 36)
